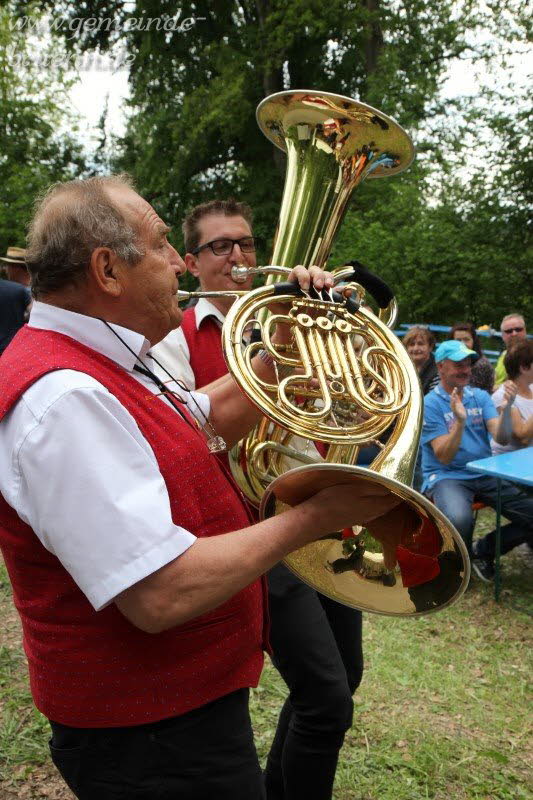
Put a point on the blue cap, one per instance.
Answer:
(455, 350)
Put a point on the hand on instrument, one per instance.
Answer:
(356, 503)
(314, 275)
(305, 278)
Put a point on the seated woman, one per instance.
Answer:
(482, 371)
(519, 367)
(419, 343)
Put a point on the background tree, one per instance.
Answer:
(35, 149)
(452, 222)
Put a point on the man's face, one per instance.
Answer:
(513, 330)
(150, 286)
(214, 272)
(455, 374)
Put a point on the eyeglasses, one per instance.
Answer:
(513, 330)
(223, 247)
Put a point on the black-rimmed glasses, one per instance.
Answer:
(223, 247)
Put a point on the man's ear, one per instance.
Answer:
(106, 270)
(191, 264)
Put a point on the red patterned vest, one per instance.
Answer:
(205, 348)
(96, 669)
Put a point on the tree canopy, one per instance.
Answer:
(35, 149)
(452, 238)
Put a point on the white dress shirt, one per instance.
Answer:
(75, 466)
(173, 352)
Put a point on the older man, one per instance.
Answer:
(457, 423)
(133, 562)
(15, 265)
(317, 643)
(513, 329)
(15, 297)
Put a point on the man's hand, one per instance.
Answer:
(358, 502)
(456, 405)
(314, 275)
(305, 278)
(375, 507)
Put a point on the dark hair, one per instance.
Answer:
(72, 219)
(418, 330)
(469, 328)
(225, 208)
(521, 355)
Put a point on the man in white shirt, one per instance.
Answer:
(218, 236)
(316, 642)
(140, 604)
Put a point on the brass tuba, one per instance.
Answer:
(345, 378)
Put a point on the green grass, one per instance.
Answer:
(443, 711)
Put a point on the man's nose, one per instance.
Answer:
(179, 264)
(236, 254)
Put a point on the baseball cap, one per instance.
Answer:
(454, 350)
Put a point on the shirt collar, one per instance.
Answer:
(91, 332)
(441, 391)
(204, 309)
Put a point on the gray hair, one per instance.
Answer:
(71, 220)
(514, 315)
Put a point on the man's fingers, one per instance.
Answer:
(314, 275)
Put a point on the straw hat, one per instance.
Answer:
(15, 255)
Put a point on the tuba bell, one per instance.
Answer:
(345, 378)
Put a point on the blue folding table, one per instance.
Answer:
(516, 467)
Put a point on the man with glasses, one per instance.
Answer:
(217, 236)
(513, 329)
(316, 642)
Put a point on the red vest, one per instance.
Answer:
(205, 348)
(96, 669)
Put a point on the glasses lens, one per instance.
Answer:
(221, 247)
(247, 244)
(514, 330)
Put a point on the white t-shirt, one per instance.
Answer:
(524, 408)
(173, 352)
(75, 466)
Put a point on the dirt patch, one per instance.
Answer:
(42, 782)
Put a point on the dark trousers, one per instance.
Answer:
(317, 646)
(205, 754)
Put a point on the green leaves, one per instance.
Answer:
(34, 152)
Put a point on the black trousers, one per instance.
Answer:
(317, 646)
(205, 754)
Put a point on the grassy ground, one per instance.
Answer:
(443, 711)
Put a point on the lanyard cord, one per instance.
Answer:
(215, 443)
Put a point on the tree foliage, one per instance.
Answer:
(193, 134)
(34, 151)
(451, 235)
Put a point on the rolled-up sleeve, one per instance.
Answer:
(90, 487)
